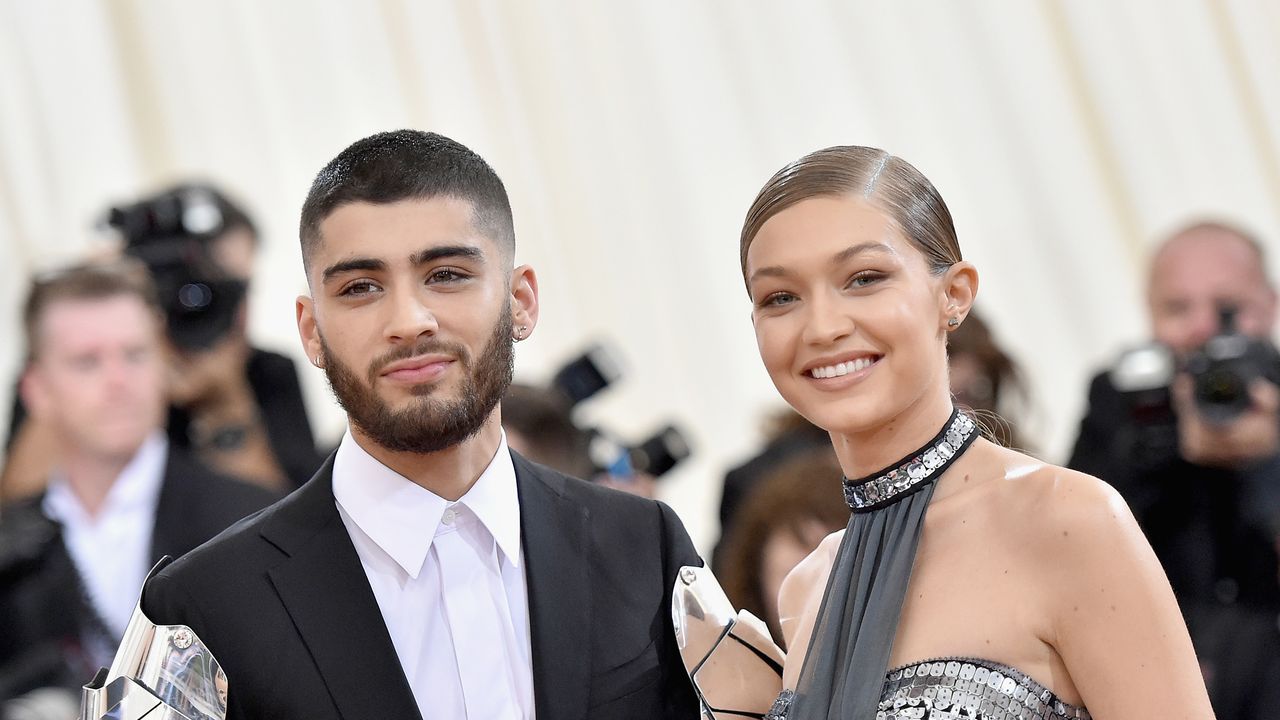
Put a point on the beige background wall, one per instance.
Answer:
(1066, 136)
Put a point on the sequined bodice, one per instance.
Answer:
(960, 689)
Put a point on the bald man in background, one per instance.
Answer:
(1207, 494)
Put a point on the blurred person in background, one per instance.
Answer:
(784, 519)
(539, 425)
(985, 379)
(788, 435)
(236, 407)
(1204, 484)
(119, 496)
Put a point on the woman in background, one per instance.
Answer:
(984, 381)
(972, 581)
(784, 517)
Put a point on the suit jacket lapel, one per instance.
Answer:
(323, 586)
(554, 536)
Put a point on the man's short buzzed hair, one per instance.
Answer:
(407, 164)
(91, 281)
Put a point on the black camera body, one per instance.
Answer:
(588, 374)
(1223, 370)
(170, 233)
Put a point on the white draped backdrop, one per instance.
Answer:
(1066, 137)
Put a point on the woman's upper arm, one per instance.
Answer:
(1116, 624)
(798, 601)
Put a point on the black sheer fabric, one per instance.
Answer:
(844, 672)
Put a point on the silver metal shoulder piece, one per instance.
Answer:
(160, 672)
(735, 666)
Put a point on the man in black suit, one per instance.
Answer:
(1207, 494)
(426, 570)
(72, 560)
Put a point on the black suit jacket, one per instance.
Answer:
(44, 613)
(283, 602)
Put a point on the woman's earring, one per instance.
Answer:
(520, 332)
(953, 322)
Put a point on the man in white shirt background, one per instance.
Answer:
(73, 560)
(427, 570)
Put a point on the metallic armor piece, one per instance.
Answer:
(735, 666)
(160, 672)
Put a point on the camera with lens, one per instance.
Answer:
(171, 233)
(1221, 372)
(583, 378)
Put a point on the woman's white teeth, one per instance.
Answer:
(843, 368)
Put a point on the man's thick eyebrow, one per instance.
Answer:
(422, 257)
(470, 252)
(842, 256)
(357, 263)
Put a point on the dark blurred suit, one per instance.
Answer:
(45, 615)
(1214, 531)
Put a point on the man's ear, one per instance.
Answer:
(308, 331)
(524, 301)
(959, 289)
(34, 392)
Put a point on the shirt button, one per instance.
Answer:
(449, 516)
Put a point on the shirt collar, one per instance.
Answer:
(136, 488)
(494, 499)
(401, 516)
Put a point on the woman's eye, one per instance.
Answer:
(777, 300)
(865, 278)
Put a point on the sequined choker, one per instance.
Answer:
(915, 470)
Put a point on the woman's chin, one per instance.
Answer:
(849, 421)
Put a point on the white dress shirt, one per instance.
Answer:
(112, 550)
(449, 580)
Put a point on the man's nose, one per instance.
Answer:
(410, 318)
(1202, 325)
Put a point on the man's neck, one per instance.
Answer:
(448, 473)
(91, 476)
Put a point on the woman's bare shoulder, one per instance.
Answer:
(1074, 528)
(1044, 500)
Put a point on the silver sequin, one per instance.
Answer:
(960, 689)
(906, 476)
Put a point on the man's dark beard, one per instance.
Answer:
(428, 424)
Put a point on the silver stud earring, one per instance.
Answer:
(520, 332)
(953, 322)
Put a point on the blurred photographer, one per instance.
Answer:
(238, 408)
(120, 495)
(1188, 431)
(540, 424)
